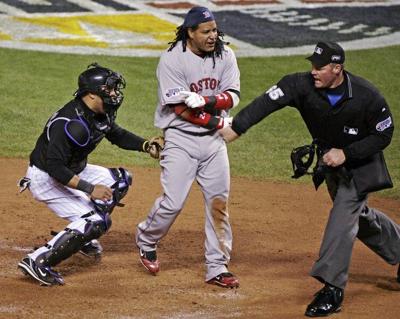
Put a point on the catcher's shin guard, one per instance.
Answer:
(71, 241)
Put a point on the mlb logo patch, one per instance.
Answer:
(335, 58)
(350, 130)
(318, 50)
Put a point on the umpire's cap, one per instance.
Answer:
(325, 53)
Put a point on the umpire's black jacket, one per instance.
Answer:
(71, 134)
(360, 123)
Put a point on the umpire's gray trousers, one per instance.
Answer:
(350, 217)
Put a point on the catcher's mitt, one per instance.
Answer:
(154, 146)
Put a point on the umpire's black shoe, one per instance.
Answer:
(326, 302)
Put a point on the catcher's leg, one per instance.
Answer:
(119, 179)
(73, 205)
(38, 264)
(71, 240)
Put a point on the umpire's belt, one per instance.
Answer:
(194, 133)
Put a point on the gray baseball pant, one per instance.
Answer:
(351, 218)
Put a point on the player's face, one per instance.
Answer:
(203, 39)
(98, 104)
(328, 76)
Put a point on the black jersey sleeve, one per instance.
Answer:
(380, 131)
(125, 139)
(278, 96)
(59, 151)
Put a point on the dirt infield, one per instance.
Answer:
(277, 231)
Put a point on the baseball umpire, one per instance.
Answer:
(59, 175)
(198, 83)
(354, 122)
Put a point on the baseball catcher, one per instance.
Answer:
(59, 175)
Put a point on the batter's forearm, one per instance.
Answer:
(223, 101)
(203, 119)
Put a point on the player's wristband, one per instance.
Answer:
(145, 146)
(222, 101)
(85, 186)
(205, 119)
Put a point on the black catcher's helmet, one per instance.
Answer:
(101, 81)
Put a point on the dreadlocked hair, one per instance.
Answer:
(182, 35)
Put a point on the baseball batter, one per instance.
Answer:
(59, 176)
(198, 83)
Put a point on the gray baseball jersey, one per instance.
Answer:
(185, 71)
(192, 153)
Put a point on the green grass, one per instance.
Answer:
(35, 84)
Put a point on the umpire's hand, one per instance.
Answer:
(334, 157)
(101, 192)
(228, 134)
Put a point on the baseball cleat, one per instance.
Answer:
(225, 279)
(92, 249)
(45, 275)
(149, 261)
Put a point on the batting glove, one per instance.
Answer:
(192, 99)
(224, 122)
(227, 121)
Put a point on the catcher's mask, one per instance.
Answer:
(102, 81)
(302, 158)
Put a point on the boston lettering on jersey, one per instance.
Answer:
(206, 83)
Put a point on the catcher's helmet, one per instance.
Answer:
(101, 81)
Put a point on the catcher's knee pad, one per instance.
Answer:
(95, 229)
(71, 241)
(123, 179)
